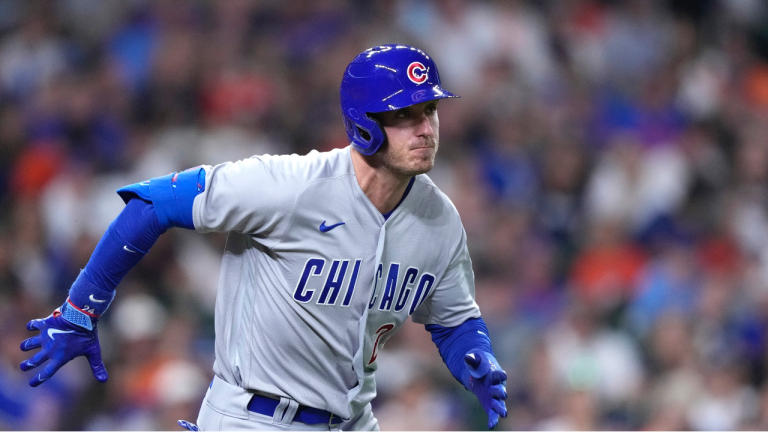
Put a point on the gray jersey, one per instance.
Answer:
(314, 281)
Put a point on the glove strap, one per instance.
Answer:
(77, 316)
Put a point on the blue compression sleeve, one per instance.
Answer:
(128, 239)
(454, 342)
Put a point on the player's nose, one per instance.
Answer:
(425, 127)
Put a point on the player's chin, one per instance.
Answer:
(422, 165)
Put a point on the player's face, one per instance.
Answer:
(412, 139)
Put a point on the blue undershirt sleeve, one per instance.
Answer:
(128, 239)
(454, 342)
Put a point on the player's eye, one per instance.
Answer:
(431, 109)
(401, 114)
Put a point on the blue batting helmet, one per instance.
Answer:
(385, 78)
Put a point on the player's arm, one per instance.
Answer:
(466, 350)
(152, 207)
(451, 314)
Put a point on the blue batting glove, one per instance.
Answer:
(488, 382)
(188, 425)
(61, 341)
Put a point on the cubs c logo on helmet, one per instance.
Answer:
(417, 72)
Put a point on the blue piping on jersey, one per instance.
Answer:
(407, 190)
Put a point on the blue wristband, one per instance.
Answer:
(86, 302)
(89, 297)
(454, 342)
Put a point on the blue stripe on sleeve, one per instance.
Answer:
(454, 342)
(172, 195)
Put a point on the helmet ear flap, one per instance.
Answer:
(365, 133)
(379, 129)
(378, 136)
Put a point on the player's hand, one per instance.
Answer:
(188, 425)
(488, 382)
(61, 341)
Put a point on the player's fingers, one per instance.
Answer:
(498, 392)
(31, 343)
(493, 419)
(499, 407)
(34, 324)
(187, 425)
(472, 360)
(498, 377)
(47, 372)
(97, 366)
(35, 361)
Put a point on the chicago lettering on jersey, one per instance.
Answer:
(426, 282)
(396, 291)
(329, 294)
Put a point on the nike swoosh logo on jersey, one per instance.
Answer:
(324, 228)
(126, 248)
(95, 299)
(53, 331)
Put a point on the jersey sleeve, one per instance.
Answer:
(453, 300)
(252, 196)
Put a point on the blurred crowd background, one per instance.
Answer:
(609, 160)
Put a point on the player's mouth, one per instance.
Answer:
(427, 145)
(423, 152)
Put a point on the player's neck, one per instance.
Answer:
(382, 187)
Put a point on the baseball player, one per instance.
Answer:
(327, 255)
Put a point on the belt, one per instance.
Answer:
(307, 415)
